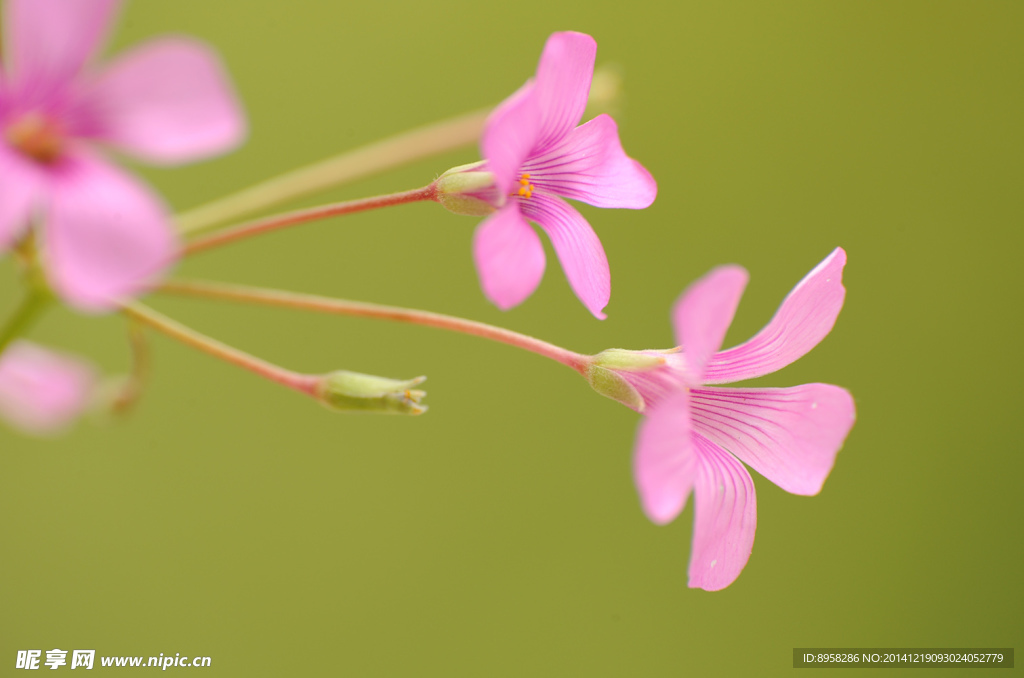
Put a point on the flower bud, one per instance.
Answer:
(468, 190)
(354, 392)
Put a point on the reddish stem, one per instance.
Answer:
(294, 218)
(311, 302)
(303, 383)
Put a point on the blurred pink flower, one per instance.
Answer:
(536, 152)
(42, 391)
(694, 435)
(105, 235)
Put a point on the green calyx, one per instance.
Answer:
(604, 373)
(632, 361)
(611, 385)
(344, 391)
(465, 191)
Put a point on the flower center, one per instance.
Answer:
(37, 137)
(525, 187)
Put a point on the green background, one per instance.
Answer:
(500, 534)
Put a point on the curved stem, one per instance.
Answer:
(279, 221)
(130, 390)
(311, 302)
(362, 162)
(303, 383)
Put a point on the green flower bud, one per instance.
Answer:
(354, 392)
(466, 191)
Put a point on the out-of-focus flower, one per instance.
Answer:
(694, 435)
(105, 235)
(533, 153)
(42, 391)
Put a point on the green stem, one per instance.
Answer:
(32, 306)
(296, 217)
(361, 162)
(310, 302)
(302, 383)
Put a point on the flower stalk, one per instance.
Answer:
(320, 304)
(127, 391)
(341, 391)
(303, 383)
(296, 217)
(400, 149)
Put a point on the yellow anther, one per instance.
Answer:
(525, 187)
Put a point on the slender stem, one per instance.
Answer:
(278, 221)
(302, 383)
(130, 390)
(141, 354)
(362, 162)
(32, 306)
(310, 302)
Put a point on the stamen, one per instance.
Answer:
(37, 137)
(525, 187)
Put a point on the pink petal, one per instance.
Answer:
(654, 385)
(563, 84)
(806, 315)
(49, 41)
(42, 391)
(577, 247)
(509, 257)
(704, 312)
(789, 435)
(19, 190)
(665, 465)
(169, 101)
(510, 135)
(107, 236)
(725, 518)
(590, 165)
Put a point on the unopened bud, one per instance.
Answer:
(354, 392)
(467, 190)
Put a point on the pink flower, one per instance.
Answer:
(694, 435)
(105, 235)
(536, 152)
(42, 391)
